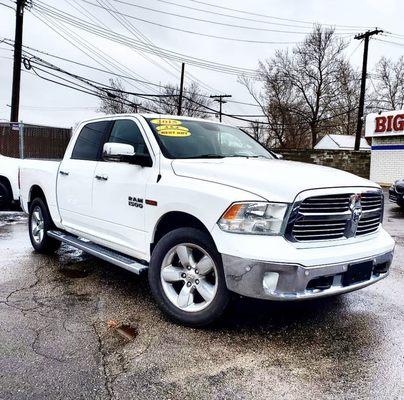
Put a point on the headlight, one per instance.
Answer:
(258, 218)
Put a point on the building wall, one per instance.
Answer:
(387, 159)
(356, 162)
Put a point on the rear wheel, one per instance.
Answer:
(186, 277)
(5, 196)
(39, 223)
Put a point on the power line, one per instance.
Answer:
(142, 37)
(390, 42)
(97, 54)
(226, 15)
(99, 89)
(271, 16)
(87, 66)
(134, 31)
(165, 12)
(206, 21)
(122, 39)
(9, 42)
(6, 5)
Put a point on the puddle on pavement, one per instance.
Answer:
(127, 331)
(12, 218)
(74, 273)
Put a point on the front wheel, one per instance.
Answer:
(186, 277)
(39, 223)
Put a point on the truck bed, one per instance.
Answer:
(43, 174)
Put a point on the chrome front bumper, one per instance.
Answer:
(280, 281)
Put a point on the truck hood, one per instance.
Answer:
(273, 180)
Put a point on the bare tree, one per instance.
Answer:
(389, 86)
(347, 102)
(301, 87)
(285, 126)
(115, 100)
(194, 102)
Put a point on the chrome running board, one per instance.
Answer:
(101, 252)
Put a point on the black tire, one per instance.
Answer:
(42, 243)
(5, 196)
(217, 305)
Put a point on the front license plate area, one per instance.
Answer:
(356, 273)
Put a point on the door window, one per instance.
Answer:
(89, 142)
(127, 132)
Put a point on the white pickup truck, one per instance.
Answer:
(9, 192)
(207, 211)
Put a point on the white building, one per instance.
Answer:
(340, 142)
(387, 157)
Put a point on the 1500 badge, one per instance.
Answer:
(135, 202)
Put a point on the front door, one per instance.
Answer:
(119, 190)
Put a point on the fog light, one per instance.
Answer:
(270, 281)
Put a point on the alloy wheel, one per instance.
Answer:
(37, 225)
(189, 277)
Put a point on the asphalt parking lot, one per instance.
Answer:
(72, 327)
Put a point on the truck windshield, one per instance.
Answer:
(182, 138)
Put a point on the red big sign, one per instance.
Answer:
(389, 123)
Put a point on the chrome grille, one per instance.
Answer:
(329, 203)
(311, 229)
(335, 216)
(371, 200)
(368, 224)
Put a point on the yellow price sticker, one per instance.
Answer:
(165, 121)
(173, 131)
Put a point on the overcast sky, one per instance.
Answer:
(46, 103)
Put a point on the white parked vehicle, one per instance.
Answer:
(9, 191)
(207, 211)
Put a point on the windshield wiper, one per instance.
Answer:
(246, 156)
(205, 156)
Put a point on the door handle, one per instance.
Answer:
(63, 173)
(101, 177)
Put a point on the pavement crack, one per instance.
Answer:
(35, 347)
(24, 288)
(104, 364)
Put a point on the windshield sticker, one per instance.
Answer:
(173, 131)
(166, 122)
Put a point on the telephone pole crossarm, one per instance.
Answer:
(219, 98)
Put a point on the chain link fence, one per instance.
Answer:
(22, 140)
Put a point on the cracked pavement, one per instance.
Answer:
(59, 339)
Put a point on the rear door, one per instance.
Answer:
(76, 177)
(119, 191)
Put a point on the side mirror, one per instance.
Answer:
(278, 156)
(120, 152)
(117, 151)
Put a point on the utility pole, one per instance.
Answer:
(181, 89)
(219, 99)
(359, 125)
(15, 96)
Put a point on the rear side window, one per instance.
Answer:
(127, 132)
(89, 141)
